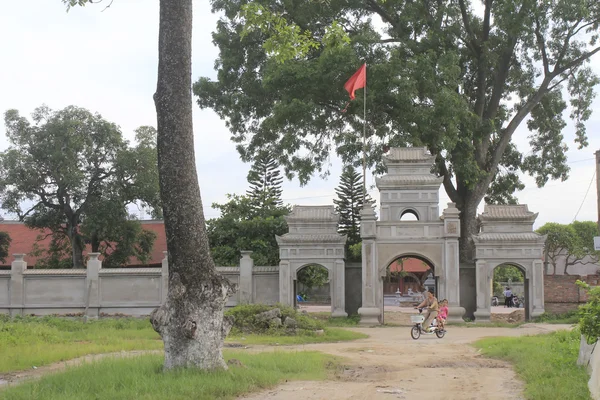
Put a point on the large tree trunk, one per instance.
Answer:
(76, 246)
(469, 226)
(191, 321)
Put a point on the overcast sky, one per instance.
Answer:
(106, 61)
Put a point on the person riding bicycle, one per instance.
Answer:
(432, 309)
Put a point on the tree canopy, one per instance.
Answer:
(78, 175)
(265, 181)
(241, 226)
(456, 77)
(570, 244)
(348, 205)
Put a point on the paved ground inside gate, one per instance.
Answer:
(391, 365)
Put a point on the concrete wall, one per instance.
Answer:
(589, 357)
(130, 291)
(589, 265)
(562, 295)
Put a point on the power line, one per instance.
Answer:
(584, 197)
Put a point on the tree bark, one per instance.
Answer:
(191, 321)
(76, 246)
(469, 226)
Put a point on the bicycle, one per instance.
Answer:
(417, 329)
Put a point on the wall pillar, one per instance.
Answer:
(92, 286)
(286, 284)
(370, 311)
(17, 294)
(338, 285)
(451, 268)
(246, 284)
(484, 295)
(535, 302)
(164, 277)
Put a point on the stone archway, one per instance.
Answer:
(507, 238)
(409, 187)
(312, 239)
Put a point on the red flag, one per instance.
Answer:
(357, 81)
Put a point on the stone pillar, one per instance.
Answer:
(246, 284)
(484, 295)
(17, 294)
(451, 268)
(370, 311)
(338, 284)
(535, 302)
(164, 277)
(286, 284)
(92, 286)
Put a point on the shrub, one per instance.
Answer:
(245, 319)
(589, 313)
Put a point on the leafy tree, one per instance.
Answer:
(440, 74)
(5, 241)
(569, 244)
(348, 204)
(265, 182)
(191, 321)
(506, 273)
(80, 175)
(243, 227)
(589, 323)
(313, 276)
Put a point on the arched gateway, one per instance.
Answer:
(312, 239)
(409, 187)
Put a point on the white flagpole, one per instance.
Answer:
(364, 158)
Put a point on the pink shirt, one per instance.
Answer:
(443, 312)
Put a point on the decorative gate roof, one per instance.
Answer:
(312, 224)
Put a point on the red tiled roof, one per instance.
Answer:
(24, 238)
(410, 265)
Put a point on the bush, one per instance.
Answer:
(589, 313)
(245, 319)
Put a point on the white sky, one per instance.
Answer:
(107, 62)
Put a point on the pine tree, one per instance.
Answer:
(349, 204)
(265, 182)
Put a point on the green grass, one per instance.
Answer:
(546, 363)
(330, 321)
(485, 324)
(31, 341)
(331, 335)
(570, 318)
(142, 378)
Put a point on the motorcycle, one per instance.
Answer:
(417, 329)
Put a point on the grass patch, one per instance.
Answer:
(547, 364)
(338, 322)
(570, 318)
(33, 341)
(142, 378)
(485, 324)
(305, 337)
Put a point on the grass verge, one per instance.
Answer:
(330, 335)
(571, 317)
(546, 363)
(142, 378)
(33, 341)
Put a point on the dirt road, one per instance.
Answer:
(390, 365)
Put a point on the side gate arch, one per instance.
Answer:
(409, 187)
(312, 239)
(507, 238)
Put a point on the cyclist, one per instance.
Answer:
(432, 309)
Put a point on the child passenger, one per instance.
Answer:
(443, 314)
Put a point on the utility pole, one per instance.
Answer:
(598, 185)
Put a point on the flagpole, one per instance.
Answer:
(364, 158)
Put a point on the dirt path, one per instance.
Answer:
(389, 364)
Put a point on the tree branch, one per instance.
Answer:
(542, 45)
(472, 43)
(373, 6)
(575, 62)
(448, 184)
